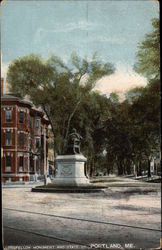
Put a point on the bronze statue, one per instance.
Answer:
(73, 145)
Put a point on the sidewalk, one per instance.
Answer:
(22, 184)
(124, 181)
(114, 181)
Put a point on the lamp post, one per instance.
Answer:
(35, 169)
(45, 165)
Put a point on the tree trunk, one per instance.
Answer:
(149, 169)
(128, 168)
(108, 170)
(92, 168)
(124, 169)
(140, 170)
(112, 168)
(137, 169)
(89, 168)
(120, 168)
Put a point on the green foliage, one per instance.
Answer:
(27, 74)
(63, 92)
(148, 54)
(132, 131)
(114, 98)
(117, 135)
(134, 93)
(145, 113)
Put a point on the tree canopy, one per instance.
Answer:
(63, 92)
(148, 54)
(116, 134)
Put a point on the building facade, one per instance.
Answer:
(24, 140)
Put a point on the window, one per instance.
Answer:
(8, 179)
(8, 139)
(27, 142)
(27, 120)
(8, 163)
(26, 163)
(42, 140)
(8, 115)
(21, 139)
(37, 142)
(31, 144)
(21, 117)
(37, 124)
(21, 163)
(31, 122)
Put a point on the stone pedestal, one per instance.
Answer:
(71, 171)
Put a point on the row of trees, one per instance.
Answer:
(116, 134)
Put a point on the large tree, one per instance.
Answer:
(118, 137)
(59, 89)
(148, 55)
(147, 108)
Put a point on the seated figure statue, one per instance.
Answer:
(73, 146)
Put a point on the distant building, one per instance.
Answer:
(24, 139)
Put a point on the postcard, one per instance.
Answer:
(80, 124)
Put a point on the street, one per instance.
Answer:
(119, 217)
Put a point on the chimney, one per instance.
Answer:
(2, 82)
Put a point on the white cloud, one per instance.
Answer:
(80, 25)
(121, 81)
(111, 40)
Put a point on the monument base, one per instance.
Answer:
(71, 171)
(70, 177)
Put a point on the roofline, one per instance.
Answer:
(15, 99)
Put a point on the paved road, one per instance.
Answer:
(75, 219)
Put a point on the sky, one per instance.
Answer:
(113, 29)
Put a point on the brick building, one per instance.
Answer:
(24, 140)
(2, 85)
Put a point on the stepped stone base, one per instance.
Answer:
(70, 177)
(71, 170)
